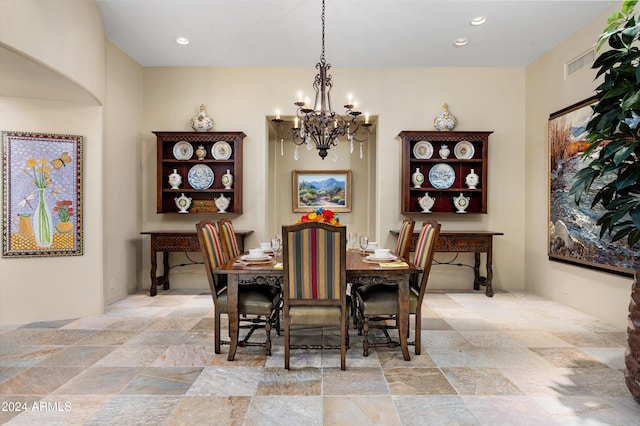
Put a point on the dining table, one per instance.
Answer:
(359, 269)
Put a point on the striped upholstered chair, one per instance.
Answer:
(228, 239)
(377, 304)
(314, 284)
(403, 246)
(257, 304)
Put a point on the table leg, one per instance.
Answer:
(403, 315)
(232, 313)
(165, 268)
(488, 281)
(154, 279)
(477, 279)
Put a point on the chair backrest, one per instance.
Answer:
(314, 263)
(212, 254)
(405, 236)
(228, 238)
(425, 249)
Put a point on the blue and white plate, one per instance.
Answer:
(200, 176)
(442, 176)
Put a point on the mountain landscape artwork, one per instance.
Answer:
(574, 235)
(328, 189)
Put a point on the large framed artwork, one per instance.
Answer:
(42, 194)
(574, 235)
(330, 189)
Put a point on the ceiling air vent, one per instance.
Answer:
(584, 60)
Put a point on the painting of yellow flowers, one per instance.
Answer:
(42, 194)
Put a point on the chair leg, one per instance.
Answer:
(216, 332)
(286, 343)
(267, 345)
(418, 329)
(365, 336)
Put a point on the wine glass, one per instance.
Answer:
(364, 242)
(276, 245)
(353, 239)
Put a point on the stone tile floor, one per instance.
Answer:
(514, 359)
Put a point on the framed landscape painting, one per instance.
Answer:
(330, 189)
(574, 235)
(42, 194)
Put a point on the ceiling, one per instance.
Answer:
(372, 33)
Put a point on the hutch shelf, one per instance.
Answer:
(179, 151)
(444, 178)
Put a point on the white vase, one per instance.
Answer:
(202, 122)
(461, 203)
(201, 152)
(227, 180)
(426, 203)
(175, 179)
(472, 180)
(183, 203)
(444, 121)
(222, 203)
(444, 152)
(417, 178)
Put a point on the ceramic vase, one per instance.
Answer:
(222, 203)
(445, 121)
(175, 179)
(183, 203)
(461, 203)
(472, 179)
(417, 178)
(444, 152)
(227, 179)
(201, 152)
(202, 122)
(426, 203)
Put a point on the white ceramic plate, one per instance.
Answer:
(442, 176)
(200, 176)
(221, 150)
(464, 150)
(183, 150)
(423, 150)
(382, 258)
(250, 258)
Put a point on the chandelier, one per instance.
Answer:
(320, 126)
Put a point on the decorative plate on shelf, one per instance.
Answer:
(442, 176)
(183, 150)
(464, 150)
(221, 150)
(200, 176)
(423, 150)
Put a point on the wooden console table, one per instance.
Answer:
(175, 241)
(467, 242)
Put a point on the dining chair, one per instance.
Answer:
(403, 246)
(228, 238)
(257, 303)
(314, 284)
(377, 304)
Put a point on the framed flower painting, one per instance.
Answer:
(42, 194)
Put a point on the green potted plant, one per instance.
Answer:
(614, 144)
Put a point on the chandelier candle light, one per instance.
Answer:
(320, 125)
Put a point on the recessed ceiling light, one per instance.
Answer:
(461, 41)
(182, 40)
(478, 20)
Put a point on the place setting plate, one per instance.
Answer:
(373, 259)
(221, 150)
(252, 259)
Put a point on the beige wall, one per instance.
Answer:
(402, 98)
(603, 295)
(53, 81)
